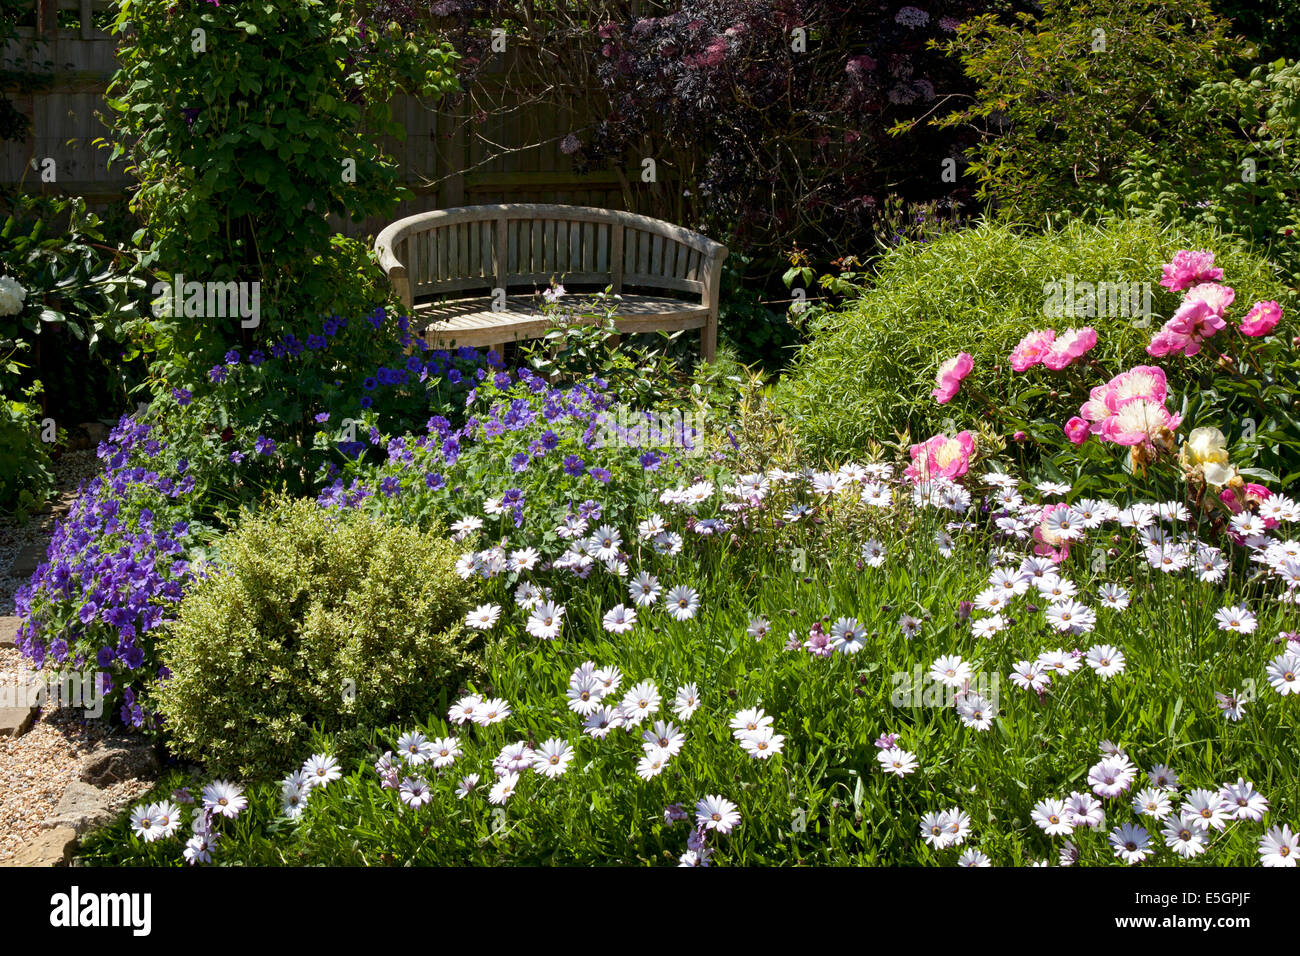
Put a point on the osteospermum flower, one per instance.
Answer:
(321, 769)
(956, 825)
(584, 695)
(415, 792)
(465, 709)
(758, 628)
(1208, 809)
(414, 748)
(600, 722)
(1131, 842)
(1113, 596)
(950, 670)
(1244, 801)
(1070, 615)
(224, 798)
(1184, 836)
(1236, 618)
(717, 813)
(503, 789)
(664, 734)
(492, 711)
(848, 636)
(1050, 815)
(1284, 673)
(682, 602)
(975, 711)
(144, 823)
(1233, 707)
(619, 619)
(934, 829)
(873, 553)
(897, 761)
(1279, 846)
(1106, 660)
(1110, 777)
(545, 620)
(763, 743)
(444, 750)
(466, 786)
(1163, 777)
(1085, 810)
(986, 627)
(1152, 802)
(1030, 675)
(749, 721)
(687, 701)
(652, 763)
(483, 617)
(974, 858)
(552, 757)
(644, 589)
(640, 702)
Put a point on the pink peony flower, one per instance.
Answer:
(1261, 318)
(1033, 348)
(1141, 381)
(1194, 322)
(950, 375)
(1189, 268)
(1047, 543)
(1104, 401)
(1217, 297)
(1069, 347)
(1077, 430)
(1138, 422)
(941, 457)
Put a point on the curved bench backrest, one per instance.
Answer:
(528, 244)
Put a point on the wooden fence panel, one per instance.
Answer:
(450, 155)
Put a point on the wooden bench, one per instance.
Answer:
(446, 266)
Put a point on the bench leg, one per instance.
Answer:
(709, 338)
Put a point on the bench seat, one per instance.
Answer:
(455, 322)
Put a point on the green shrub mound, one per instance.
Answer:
(312, 618)
(867, 369)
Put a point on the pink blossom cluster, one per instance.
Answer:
(1201, 313)
(1055, 353)
(1199, 317)
(1127, 410)
(1190, 268)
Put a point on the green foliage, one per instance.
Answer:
(83, 297)
(245, 126)
(1063, 115)
(756, 332)
(1244, 178)
(824, 799)
(311, 618)
(25, 476)
(869, 367)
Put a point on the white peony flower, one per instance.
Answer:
(11, 296)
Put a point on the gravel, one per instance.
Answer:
(37, 767)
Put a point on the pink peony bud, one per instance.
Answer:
(1077, 430)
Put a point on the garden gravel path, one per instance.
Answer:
(46, 769)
